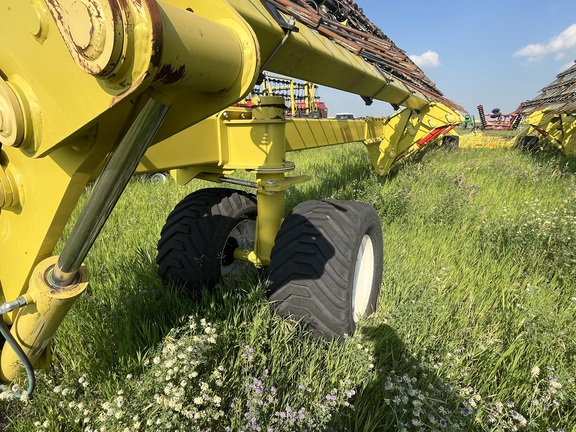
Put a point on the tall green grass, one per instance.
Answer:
(474, 330)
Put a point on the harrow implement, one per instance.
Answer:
(144, 86)
(497, 120)
(490, 129)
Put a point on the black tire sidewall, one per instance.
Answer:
(192, 255)
(342, 226)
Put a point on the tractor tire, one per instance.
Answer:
(528, 143)
(326, 266)
(197, 243)
(450, 142)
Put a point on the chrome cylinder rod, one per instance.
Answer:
(107, 190)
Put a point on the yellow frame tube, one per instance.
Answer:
(226, 141)
(311, 57)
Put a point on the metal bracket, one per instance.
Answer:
(272, 187)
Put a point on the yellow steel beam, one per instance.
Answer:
(231, 140)
(309, 56)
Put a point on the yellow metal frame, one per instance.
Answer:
(65, 119)
(230, 140)
(258, 139)
(558, 130)
(107, 59)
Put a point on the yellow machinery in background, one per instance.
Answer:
(481, 139)
(101, 89)
(494, 130)
(551, 116)
(301, 98)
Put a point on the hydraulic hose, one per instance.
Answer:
(5, 332)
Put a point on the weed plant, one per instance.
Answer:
(474, 330)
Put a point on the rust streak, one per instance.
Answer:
(157, 31)
(168, 75)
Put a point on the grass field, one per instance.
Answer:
(475, 326)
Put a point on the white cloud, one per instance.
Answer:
(559, 45)
(429, 59)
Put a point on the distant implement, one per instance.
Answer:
(487, 132)
(497, 120)
(300, 98)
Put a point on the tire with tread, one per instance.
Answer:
(198, 240)
(528, 143)
(450, 142)
(326, 265)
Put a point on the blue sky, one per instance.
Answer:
(497, 54)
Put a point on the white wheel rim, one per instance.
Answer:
(244, 233)
(158, 177)
(363, 278)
